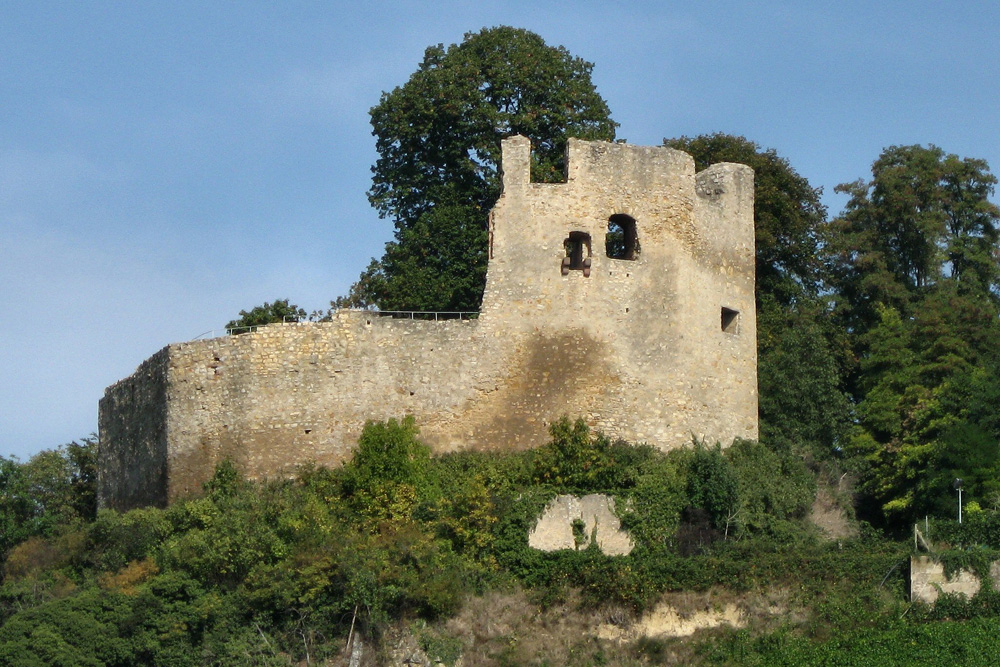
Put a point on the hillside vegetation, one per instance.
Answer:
(399, 543)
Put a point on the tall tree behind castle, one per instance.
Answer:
(438, 138)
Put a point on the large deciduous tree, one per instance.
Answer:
(438, 139)
(924, 216)
(915, 270)
(924, 385)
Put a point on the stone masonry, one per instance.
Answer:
(598, 522)
(928, 580)
(648, 333)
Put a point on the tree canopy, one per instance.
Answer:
(438, 139)
(914, 270)
(282, 310)
(923, 217)
(55, 486)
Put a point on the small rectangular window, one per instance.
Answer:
(730, 320)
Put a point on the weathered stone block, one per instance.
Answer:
(597, 521)
(928, 580)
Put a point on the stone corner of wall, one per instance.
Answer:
(928, 580)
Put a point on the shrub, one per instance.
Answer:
(114, 539)
(576, 461)
(772, 486)
(713, 485)
(652, 508)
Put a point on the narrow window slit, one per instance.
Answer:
(730, 320)
(577, 246)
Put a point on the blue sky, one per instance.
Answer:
(165, 165)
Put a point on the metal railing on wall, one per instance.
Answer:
(427, 315)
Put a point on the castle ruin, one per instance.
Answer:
(624, 296)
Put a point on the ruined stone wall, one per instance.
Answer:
(132, 462)
(637, 347)
(666, 370)
(928, 580)
(289, 393)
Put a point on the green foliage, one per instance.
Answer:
(381, 482)
(801, 377)
(915, 275)
(270, 313)
(436, 263)
(270, 573)
(926, 381)
(440, 648)
(387, 452)
(114, 539)
(219, 539)
(655, 503)
(923, 218)
(901, 644)
(912, 270)
(226, 481)
(224, 552)
(54, 487)
(78, 631)
(978, 529)
(713, 485)
(467, 520)
(773, 486)
(574, 460)
(438, 139)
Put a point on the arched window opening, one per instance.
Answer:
(577, 258)
(622, 240)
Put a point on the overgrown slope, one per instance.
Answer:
(398, 546)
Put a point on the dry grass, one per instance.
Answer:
(828, 513)
(506, 629)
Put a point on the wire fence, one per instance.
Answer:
(427, 315)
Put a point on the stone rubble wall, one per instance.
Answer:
(290, 393)
(132, 461)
